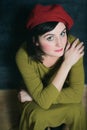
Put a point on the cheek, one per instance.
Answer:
(46, 47)
(65, 41)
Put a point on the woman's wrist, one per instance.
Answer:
(67, 65)
(61, 75)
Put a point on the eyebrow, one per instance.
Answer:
(45, 35)
(64, 29)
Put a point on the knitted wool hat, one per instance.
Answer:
(49, 13)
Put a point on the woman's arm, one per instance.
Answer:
(71, 57)
(44, 96)
(71, 94)
(47, 96)
(74, 92)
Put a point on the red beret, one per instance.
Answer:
(48, 13)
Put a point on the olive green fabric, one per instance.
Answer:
(50, 107)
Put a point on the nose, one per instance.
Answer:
(58, 42)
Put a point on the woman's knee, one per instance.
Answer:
(75, 113)
(38, 115)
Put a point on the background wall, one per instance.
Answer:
(13, 16)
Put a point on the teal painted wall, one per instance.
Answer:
(13, 15)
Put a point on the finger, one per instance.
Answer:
(82, 54)
(81, 50)
(79, 46)
(67, 47)
(75, 43)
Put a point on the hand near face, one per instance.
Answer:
(73, 52)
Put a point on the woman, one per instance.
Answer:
(51, 65)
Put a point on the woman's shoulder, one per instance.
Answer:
(21, 54)
(22, 57)
(71, 38)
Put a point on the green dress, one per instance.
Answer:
(51, 108)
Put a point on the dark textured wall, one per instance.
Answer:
(13, 16)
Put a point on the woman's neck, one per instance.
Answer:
(49, 61)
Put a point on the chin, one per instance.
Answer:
(59, 55)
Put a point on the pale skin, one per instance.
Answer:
(54, 45)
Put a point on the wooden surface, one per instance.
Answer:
(10, 110)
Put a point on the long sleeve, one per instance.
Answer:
(43, 97)
(73, 93)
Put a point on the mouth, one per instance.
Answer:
(59, 50)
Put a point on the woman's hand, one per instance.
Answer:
(73, 52)
(23, 96)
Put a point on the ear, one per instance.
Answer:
(36, 43)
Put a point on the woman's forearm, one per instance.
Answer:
(61, 75)
(71, 57)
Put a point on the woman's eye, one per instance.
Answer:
(50, 38)
(63, 34)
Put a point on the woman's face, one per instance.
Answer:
(53, 42)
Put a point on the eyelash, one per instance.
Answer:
(50, 38)
(63, 33)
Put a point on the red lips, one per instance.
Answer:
(59, 50)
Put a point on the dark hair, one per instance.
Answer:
(35, 51)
